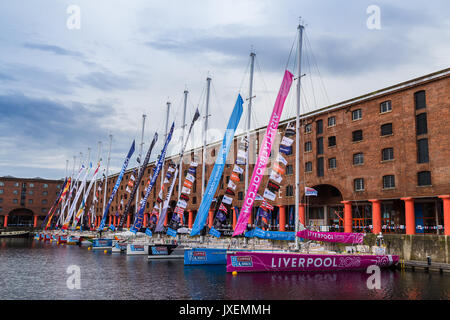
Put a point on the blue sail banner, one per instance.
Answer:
(273, 235)
(113, 193)
(217, 171)
(140, 215)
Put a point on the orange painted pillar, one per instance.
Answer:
(5, 223)
(166, 220)
(410, 219)
(109, 223)
(250, 218)
(234, 218)
(301, 214)
(35, 221)
(128, 221)
(145, 220)
(446, 207)
(348, 219)
(282, 218)
(376, 216)
(210, 218)
(190, 219)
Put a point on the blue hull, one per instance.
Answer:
(205, 256)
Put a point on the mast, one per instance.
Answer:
(180, 166)
(297, 136)
(165, 138)
(205, 129)
(95, 183)
(249, 115)
(107, 170)
(140, 160)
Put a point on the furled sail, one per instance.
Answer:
(217, 171)
(138, 180)
(119, 179)
(264, 154)
(140, 215)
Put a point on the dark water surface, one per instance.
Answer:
(35, 270)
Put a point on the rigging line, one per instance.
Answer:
(290, 52)
(315, 64)
(310, 79)
(245, 74)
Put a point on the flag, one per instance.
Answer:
(310, 192)
(223, 208)
(227, 200)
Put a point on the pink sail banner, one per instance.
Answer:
(332, 236)
(251, 261)
(264, 153)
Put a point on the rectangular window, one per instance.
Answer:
(419, 99)
(194, 200)
(320, 167)
(332, 164)
(421, 123)
(385, 106)
(422, 151)
(240, 195)
(1, 191)
(308, 128)
(387, 154)
(358, 158)
(331, 141)
(289, 191)
(359, 184)
(424, 178)
(45, 185)
(357, 135)
(308, 146)
(331, 121)
(319, 126)
(320, 145)
(15, 201)
(308, 166)
(386, 129)
(44, 201)
(357, 114)
(289, 169)
(2, 184)
(30, 201)
(388, 182)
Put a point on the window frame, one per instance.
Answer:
(357, 112)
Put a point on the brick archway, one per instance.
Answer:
(20, 217)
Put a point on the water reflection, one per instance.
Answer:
(36, 270)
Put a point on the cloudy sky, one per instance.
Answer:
(63, 90)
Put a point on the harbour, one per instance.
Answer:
(43, 276)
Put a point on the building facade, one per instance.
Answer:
(380, 162)
(26, 202)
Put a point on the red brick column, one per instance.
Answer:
(446, 200)
(410, 219)
(5, 222)
(145, 220)
(210, 218)
(301, 214)
(376, 216)
(190, 219)
(35, 217)
(282, 218)
(348, 219)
